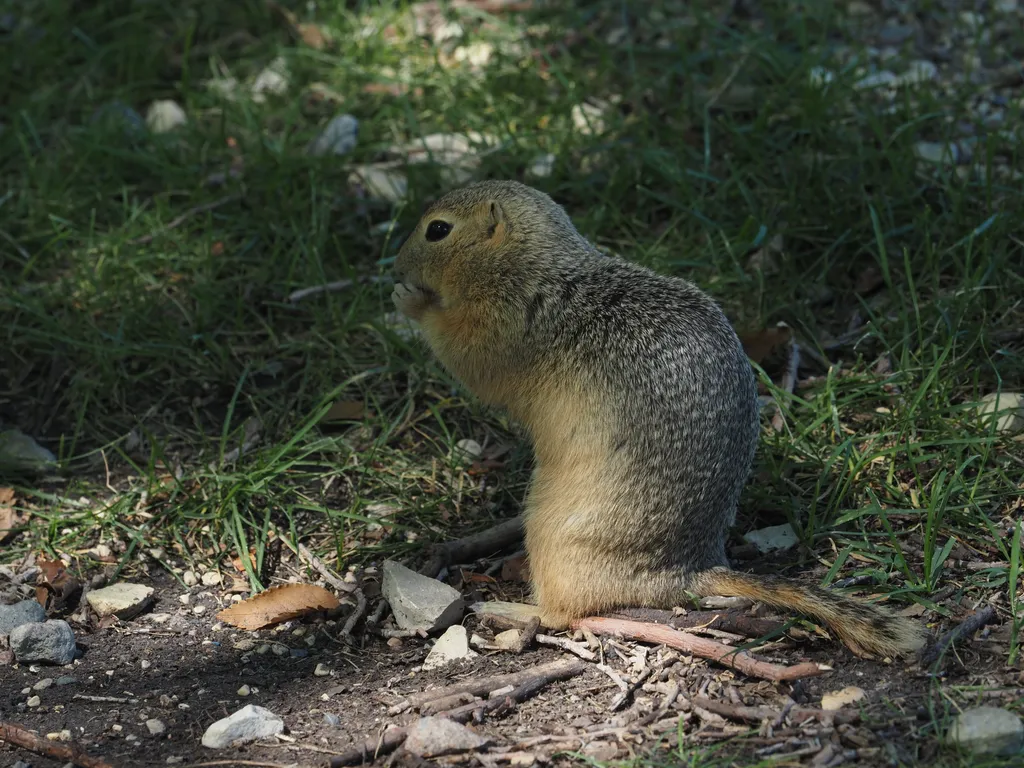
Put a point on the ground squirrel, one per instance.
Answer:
(637, 395)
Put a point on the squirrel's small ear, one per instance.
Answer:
(495, 221)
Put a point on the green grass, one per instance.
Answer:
(140, 364)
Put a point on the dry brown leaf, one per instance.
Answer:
(9, 518)
(277, 604)
(759, 345)
(56, 588)
(346, 410)
(313, 36)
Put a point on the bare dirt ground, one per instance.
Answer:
(177, 664)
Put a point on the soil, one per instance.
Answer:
(186, 670)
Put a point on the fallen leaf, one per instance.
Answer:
(313, 36)
(277, 604)
(56, 588)
(217, 248)
(9, 518)
(759, 345)
(346, 410)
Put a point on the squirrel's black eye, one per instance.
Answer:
(438, 230)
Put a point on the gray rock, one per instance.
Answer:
(338, 137)
(451, 646)
(773, 538)
(247, 724)
(20, 453)
(920, 71)
(164, 115)
(885, 78)
(938, 152)
(987, 730)
(1007, 408)
(418, 601)
(331, 719)
(25, 612)
(381, 182)
(123, 599)
(52, 642)
(155, 727)
(894, 34)
(436, 736)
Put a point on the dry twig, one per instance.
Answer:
(556, 670)
(70, 753)
(357, 613)
(567, 645)
(320, 567)
(529, 685)
(698, 646)
(723, 621)
(178, 221)
(744, 713)
(471, 547)
(964, 630)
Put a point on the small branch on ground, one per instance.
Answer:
(176, 222)
(527, 686)
(567, 645)
(964, 631)
(471, 547)
(527, 634)
(338, 285)
(742, 713)
(698, 646)
(556, 670)
(320, 567)
(66, 753)
(357, 613)
(723, 621)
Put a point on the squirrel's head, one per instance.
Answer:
(483, 235)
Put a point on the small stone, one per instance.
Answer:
(271, 80)
(1010, 409)
(322, 670)
(885, 78)
(155, 727)
(338, 137)
(52, 642)
(588, 119)
(936, 152)
(145, 664)
(20, 453)
(541, 166)
(381, 182)
(920, 71)
(839, 699)
(436, 736)
(25, 612)
(249, 723)
(771, 539)
(190, 578)
(164, 115)
(331, 719)
(123, 599)
(244, 691)
(66, 680)
(199, 610)
(175, 760)
(467, 451)
(211, 579)
(43, 684)
(1006, 6)
(507, 640)
(987, 730)
(972, 21)
(451, 646)
(820, 76)
(34, 701)
(418, 601)
(894, 34)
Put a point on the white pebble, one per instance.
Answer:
(164, 116)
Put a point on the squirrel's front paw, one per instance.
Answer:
(411, 300)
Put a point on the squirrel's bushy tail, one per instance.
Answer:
(861, 626)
